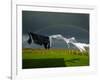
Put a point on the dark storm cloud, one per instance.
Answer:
(50, 23)
(34, 21)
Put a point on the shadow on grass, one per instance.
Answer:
(73, 60)
(42, 63)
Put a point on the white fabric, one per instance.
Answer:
(80, 46)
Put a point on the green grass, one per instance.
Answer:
(53, 58)
(43, 63)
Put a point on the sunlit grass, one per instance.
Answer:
(71, 57)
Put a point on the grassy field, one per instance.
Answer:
(41, 58)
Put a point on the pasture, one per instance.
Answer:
(41, 58)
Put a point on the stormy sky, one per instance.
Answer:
(51, 23)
